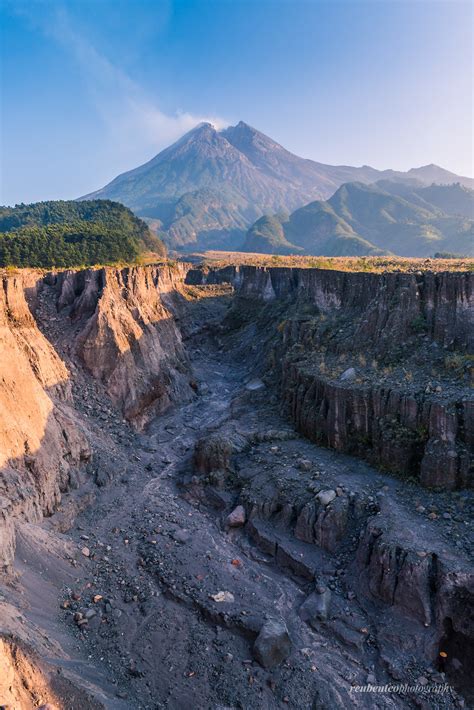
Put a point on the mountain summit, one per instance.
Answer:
(207, 188)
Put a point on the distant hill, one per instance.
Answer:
(387, 217)
(207, 188)
(68, 233)
(452, 199)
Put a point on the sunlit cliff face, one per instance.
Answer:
(29, 367)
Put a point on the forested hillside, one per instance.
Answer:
(68, 233)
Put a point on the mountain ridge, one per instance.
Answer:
(369, 220)
(210, 185)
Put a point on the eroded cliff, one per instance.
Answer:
(125, 333)
(117, 324)
(375, 365)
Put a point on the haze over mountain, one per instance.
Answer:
(210, 185)
(407, 219)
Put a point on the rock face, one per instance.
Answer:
(128, 337)
(41, 439)
(424, 585)
(409, 429)
(388, 302)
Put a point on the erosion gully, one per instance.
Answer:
(156, 552)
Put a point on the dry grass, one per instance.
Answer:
(219, 259)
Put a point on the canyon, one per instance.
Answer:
(236, 487)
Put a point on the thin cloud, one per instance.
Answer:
(133, 119)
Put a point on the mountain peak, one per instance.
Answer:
(245, 126)
(205, 127)
(211, 184)
(250, 141)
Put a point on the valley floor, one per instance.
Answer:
(127, 600)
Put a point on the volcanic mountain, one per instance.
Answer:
(208, 187)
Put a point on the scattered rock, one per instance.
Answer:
(237, 518)
(273, 644)
(325, 497)
(254, 385)
(86, 552)
(222, 597)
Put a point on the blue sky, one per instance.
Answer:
(91, 88)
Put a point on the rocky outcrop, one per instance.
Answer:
(386, 303)
(416, 578)
(127, 336)
(41, 440)
(410, 435)
(206, 276)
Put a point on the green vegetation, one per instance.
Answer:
(372, 220)
(68, 233)
(460, 364)
(448, 255)
(267, 235)
(419, 324)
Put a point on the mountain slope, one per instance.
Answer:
(452, 199)
(360, 219)
(210, 185)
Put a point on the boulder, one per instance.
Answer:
(273, 644)
(325, 497)
(316, 607)
(237, 518)
(181, 535)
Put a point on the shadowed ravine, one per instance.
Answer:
(118, 593)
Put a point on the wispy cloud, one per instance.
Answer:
(132, 117)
